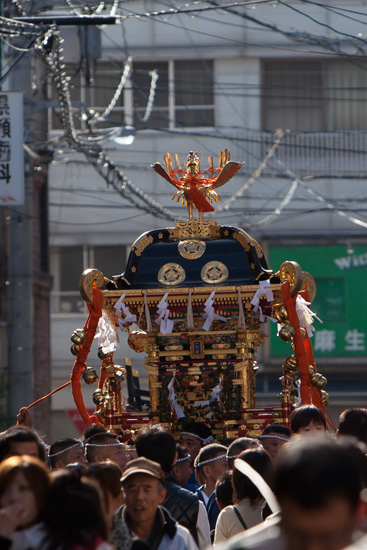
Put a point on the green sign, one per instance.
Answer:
(341, 299)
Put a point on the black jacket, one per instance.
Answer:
(181, 504)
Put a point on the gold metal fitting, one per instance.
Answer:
(101, 354)
(325, 398)
(290, 363)
(89, 375)
(79, 336)
(120, 373)
(318, 380)
(286, 333)
(75, 349)
(98, 397)
(280, 313)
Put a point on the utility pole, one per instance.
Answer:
(28, 279)
(28, 311)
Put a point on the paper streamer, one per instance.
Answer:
(264, 288)
(165, 324)
(209, 314)
(121, 307)
(305, 315)
(107, 334)
(173, 399)
(215, 394)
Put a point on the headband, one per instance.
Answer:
(183, 459)
(273, 437)
(206, 441)
(105, 445)
(210, 460)
(259, 483)
(66, 450)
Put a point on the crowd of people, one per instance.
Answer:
(297, 488)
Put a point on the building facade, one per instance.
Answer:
(283, 87)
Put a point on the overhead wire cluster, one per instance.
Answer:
(48, 45)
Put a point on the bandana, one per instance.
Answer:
(206, 441)
(66, 450)
(210, 460)
(273, 437)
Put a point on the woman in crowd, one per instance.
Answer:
(108, 475)
(74, 519)
(248, 501)
(24, 491)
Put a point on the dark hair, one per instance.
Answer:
(207, 453)
(24, 435)
(353, 421)
(108, 475)
(36, 474)
(224, 489)
(101, 438)
(242, 485)
(197, 428)
(312, 475)
(237, 446)
(75, 514)
(91, 430)
(303, 416)
(157, 444)
(61, 445)
(277, 429)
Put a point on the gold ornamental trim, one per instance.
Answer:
(244, 242)
(194, 229)
(141, 243)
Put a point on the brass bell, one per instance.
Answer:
(325, 398)
(101, 354)
(290, 363)
(75, 349)
(286, 333)
(97, 397)
(120, 373)
(89, 375)
(79, 336)
(318, 380)
(303, 333)
(311, 369)
(280, 313)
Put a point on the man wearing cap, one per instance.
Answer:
(150, 524)
(158, 444)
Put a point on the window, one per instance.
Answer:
(184, 95)
(314, 96)
(67, 265)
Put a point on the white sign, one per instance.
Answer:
(11, 149)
